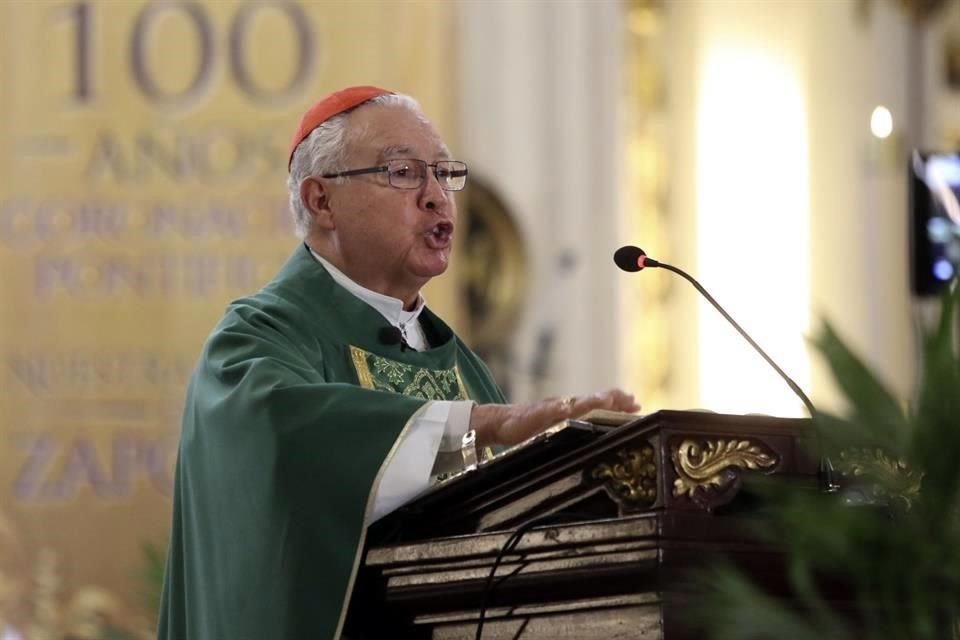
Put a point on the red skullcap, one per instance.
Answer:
(326, 108)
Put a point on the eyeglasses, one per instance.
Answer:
(410, 173)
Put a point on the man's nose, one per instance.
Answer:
(432, 196)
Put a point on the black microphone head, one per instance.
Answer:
(628, 258)
(390, 335)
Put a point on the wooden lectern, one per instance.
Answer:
(612, 519)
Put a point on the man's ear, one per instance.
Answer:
(315, 198)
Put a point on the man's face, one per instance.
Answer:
(391, 240)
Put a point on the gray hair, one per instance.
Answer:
(323, 150)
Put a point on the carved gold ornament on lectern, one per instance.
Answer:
(887, 477)
(712, 464)
(632, 482)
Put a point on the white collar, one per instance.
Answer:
(389, 307)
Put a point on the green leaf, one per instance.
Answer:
(936, 442)
(872, 406)
(902, 565)
(150, 576)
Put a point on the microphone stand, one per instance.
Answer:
(825, 473)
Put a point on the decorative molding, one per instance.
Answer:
(887, 478)
(920, 11)
(494, 266)
(712, 464)
(631, 482)
(649, 354)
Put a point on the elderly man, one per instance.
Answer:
(333, 395)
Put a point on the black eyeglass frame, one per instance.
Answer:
(386, 169)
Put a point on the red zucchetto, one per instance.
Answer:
(326, 108)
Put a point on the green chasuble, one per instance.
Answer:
(292, 414)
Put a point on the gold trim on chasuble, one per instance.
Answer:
(384, 374)
(376, 372)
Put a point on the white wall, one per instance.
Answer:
(856, 250)
(540, 91)
(859, 258)
(540, 88)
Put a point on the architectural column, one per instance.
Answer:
(540, 88)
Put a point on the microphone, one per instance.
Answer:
(392, 335)
(633, 259)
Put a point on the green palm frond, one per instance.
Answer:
(893, 539)
(150, 577)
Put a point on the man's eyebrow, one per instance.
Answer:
(403, 151)
(394, 151)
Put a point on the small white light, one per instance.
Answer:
(942, 270)
(939, 230)
(881, 122)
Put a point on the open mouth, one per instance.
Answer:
(441, 234)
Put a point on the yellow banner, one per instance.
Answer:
(143, 159)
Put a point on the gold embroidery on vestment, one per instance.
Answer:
(360, 364)
(384, 374)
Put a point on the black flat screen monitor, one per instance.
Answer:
(934, 221)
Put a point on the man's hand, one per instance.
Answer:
(510, 424)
